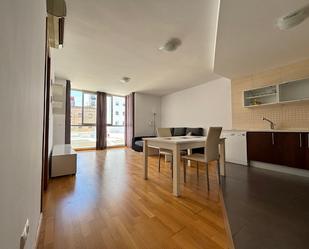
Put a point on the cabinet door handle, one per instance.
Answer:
(308, 140)
(300, 140)
(273, 138)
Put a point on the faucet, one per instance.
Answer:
(272, 124)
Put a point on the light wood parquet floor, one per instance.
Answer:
(108, 204)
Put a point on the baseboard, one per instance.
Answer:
(38, 232)
(280, 168)
(237, 162)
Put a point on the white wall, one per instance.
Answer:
(145, 105)
(22, 53)
(59, 118)
(51, 117)
(205, 105)
(59, 129)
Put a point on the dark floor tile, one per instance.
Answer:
(266, 209)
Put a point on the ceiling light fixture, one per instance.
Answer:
(294, 18)
(171, 45)
(125, 79)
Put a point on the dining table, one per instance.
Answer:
(176, 144)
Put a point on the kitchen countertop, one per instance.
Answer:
(268, 130)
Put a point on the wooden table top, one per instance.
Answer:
(179, 139)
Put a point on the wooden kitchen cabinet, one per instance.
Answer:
(260, 147)
(282, 148)
(289, 149)
(306, 149)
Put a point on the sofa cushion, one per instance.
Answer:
(139, 143)
(195, 131)
(198, 150)
(178, 131)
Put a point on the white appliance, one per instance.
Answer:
(235, 146)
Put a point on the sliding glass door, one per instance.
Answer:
(115, 111)
(83, 119)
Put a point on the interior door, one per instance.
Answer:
(46, 108)
(45, 168)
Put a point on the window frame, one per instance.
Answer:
(112, 110)
(83, 92)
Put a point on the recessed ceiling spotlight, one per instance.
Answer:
(171, 45)
(125, 79)
(294, 18)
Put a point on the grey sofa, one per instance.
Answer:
(137, 142)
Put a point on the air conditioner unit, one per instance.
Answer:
(56, 10)
(55, 27)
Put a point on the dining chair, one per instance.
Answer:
(211, 153)
(165, 132)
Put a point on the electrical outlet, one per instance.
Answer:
(24, 235)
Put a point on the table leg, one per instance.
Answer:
(176, 171)
(145, 149)
(222, 158)
(189, 151)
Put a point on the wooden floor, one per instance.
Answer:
(108, 204)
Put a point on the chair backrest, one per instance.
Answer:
(212, 143)
(164, 132)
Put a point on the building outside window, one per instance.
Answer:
(115, 120)
(83, 119)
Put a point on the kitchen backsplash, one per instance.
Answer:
(285, 116)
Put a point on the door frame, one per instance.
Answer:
(46, 109)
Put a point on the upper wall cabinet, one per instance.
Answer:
(292, 91)
(261, 96)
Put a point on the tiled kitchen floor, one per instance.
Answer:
(266, 209)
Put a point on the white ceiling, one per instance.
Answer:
(249, 42)
(106, 40)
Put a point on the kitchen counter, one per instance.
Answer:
(281, 147)
(268, 130)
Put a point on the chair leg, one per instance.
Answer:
(159, 162)
(172, 168)
(197, 170)
(219, 174)
(184, 170)
(207, 176)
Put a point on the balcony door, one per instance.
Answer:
(115, 111)
(83, 119)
